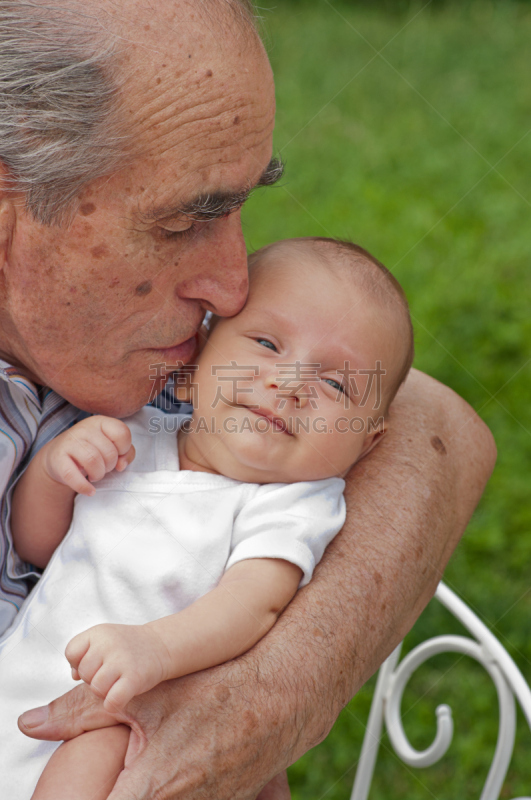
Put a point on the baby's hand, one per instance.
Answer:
(88, 450)
(118, 662)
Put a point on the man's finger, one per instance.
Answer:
(136, 781)
(77, 711)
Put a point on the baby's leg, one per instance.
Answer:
(85, 768)
(276, 789)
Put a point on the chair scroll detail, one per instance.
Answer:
(394, 676)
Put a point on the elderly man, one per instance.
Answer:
(131, 134)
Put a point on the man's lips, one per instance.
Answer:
(176, 353)
(277, 423)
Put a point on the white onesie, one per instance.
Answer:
(151, 541)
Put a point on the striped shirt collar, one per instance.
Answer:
(13, 375)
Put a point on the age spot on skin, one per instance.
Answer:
(143, 288)
(85, 209)
(377, 578)
(100, 251)
(209, 73)
(236, 120)
(222, 694)
(437, 444)
(249, 721)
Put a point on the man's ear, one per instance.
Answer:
(7, 219)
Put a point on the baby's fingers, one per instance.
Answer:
(76, 649)
(119, 434)
(69, 472)
(103, 679)
(120, 693)
(124, 461)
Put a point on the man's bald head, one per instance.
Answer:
(65, 72)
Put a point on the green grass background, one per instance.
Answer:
(407, 129)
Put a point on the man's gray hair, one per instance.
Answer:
(60, 126)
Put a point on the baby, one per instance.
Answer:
(187, 559)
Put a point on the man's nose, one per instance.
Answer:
(287, 388)
(220, 280)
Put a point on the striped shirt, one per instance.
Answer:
(29, 418)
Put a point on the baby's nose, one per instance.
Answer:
(286, 389)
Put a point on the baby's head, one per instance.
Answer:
(298, 385)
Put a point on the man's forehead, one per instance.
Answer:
(172, 55)
(207, 156)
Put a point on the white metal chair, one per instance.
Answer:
(392, 680)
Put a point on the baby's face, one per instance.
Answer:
(287, 390)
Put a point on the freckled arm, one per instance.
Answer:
(408, 504)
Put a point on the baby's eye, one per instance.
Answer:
(267, 343)
(335, 385)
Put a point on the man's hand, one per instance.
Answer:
(118, 662)
(90, 449)
(225, 732)
(218, 734)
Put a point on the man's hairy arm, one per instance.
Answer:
(226, 731)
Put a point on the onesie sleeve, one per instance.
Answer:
(291, 521)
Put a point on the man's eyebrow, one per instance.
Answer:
(272, 173)
(218, 204)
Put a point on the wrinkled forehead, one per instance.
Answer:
(175, 56)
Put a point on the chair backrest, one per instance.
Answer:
(394, 675)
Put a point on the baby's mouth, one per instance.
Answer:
(277, 423)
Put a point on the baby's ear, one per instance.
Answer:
(373, 438)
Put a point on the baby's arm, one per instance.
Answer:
(133, 658)
(43, 499)
(122, 661)
(85, 768)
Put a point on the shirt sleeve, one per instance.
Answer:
(294, 522)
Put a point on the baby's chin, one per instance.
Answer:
(250, 467)
(247, 459)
